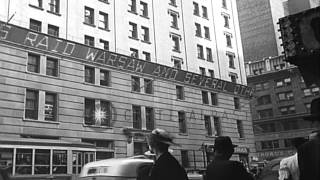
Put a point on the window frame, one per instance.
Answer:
(88, 18)
(182, 122)
(55, 69)
(180, 92)
(89, 74)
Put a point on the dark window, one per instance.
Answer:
(173, 2)
(233, 78)
(206, 32)
(198, 29)
(226, 21)
(211, 73)
(89, 111)
(204, 12)
(180, 92)
(139, 148)
(202, 71)
(214, 98)
(144, 10)
(149, 118)
(104, 77)
(103, 21)
(177, 63)
(88, 40)
(135, 84)
(266, 99)
(54, 6)
(134, 53)
(31, 107)
(200, 51)
(240, 128)
(184, 159)
(33, 63)
(182, 122)
(35, 25)
(207, 123)
(285, 110)
(205, 98)
(231, 60)
(224, 3)
(103, 117)
(236, 102)
(133, 6)
(89, 74)
(52, 67)
(59, 162)
(145, 34)
(209, 54)
(42, 161)
(291, 124)
(50, 107)
(53, 30)
(196, 9)
(136, 117)
(176, 43)
(148, 86)
(285, 96)
(217, 126)
(88, 15)
(24, 161)
(265, 113)
(174, 19)
(105, 44)
(147, 56)
(228, 39)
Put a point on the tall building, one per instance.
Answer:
(169, 32)
(88, 80)
(280, 102)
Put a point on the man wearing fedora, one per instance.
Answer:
(309, 152)
(221, 168)
(166, 167)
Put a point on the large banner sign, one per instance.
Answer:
(31, 39)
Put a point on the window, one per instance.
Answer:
(285, 96)
(33, 63)
(233, 77)
(139, 148)
(134, 53)
(59, 162)
(224, 3)
(176, 42)
(211, 73)
(204, 12)
(148, 86)
(226, 21)
(105, 44)
(145, 35)
(262, 86)
(135, 83)
(266, 99)
(283, 82)
(182, 122)
(133, 30)
(272, 144)
(180, 92)
(133, 6)
(217, 126)
(174, 19)
(207, 124)
(265, 127)
(149, 118)
(89, 74)
(99, 115)
(144, 10)
(240, 128)
(35, 25)
(88, 15)
(202, 71)
(209, 54)
(315, 91)
(198, 29)
(307, 106)
(206, 32)
(50, 107)
(214, 98)
(196, 9)
(104, 77)
(200, 51)
(24, 161)
(231, 60)
(184, 159)
(88, 40)
(136, 117)
(279, 83)
(89, 111)
(228, 40)
(290, 124)
(52, 67)
(236, 102)
(205, 97)
(287, 81)
(53, 30)
(173, 2)
(103, 21)
(177, 63)
(31, 107)
(54, 6)
(36, 3)
(147, 56)
(285, 110)
(265, 113)
(102, 146)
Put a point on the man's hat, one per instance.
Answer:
(162, 136)
(223, 143)
(314, 110)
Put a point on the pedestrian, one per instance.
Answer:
(166, 167)
(309, 152)
(289, 169)
(221, 168)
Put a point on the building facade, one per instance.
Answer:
(65, 103)
(281, 100)
(171, 32)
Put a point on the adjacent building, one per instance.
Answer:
(280, 102)
(82, 81)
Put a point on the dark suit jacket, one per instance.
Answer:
(226, 170)
(167, 167)
(309, 159)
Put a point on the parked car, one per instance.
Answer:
(270, 171)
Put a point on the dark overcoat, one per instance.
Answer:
(167, 167)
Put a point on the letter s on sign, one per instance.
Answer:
(4, 31)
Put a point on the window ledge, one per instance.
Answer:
(183, 134)
(174, 5)
(174, 27)
(41, 121)
(106, 2)
(146, 17)
(207, 38)
(133, 12)
(174, 50)
(51, 12)
(147, 42)
(95, 126)
(180, 99)
(201, 58)
(232, 67)
(92, 25)
(104, 29)
(134, 38)
(36, 7)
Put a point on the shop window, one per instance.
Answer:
(23, 161)
(42, 161)
(59, 162)
(6, 159)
